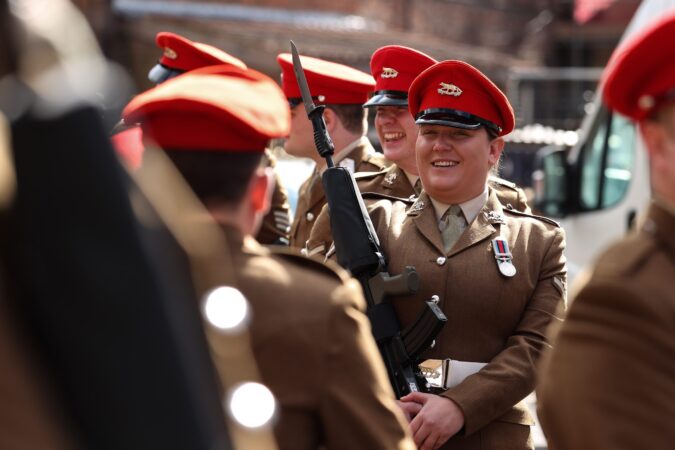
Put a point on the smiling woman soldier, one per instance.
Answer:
(498, 274)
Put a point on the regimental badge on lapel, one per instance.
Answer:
(390, 178)
(504, 257)
(416, 207)
(494, 217)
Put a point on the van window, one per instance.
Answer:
(607, 165)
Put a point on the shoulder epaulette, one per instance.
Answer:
(368, 175)
(378, 196)
(512, 210)
(294, 256)
(503, 182)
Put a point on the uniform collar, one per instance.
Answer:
(470, 208)
(342, 154)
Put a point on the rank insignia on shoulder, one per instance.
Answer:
(494, 217)
(416, 207)
(504, 257)
(390, 178)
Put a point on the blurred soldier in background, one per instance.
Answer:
(93, 331)
(394, 68)
(497, 273)
(343, 90)
(609, 382)
(180, 55)
(309, 336)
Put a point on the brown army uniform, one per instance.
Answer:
(492, 318)
(393, 182)
(313, 347)
(277, 222)
(618, 334)
(311, 196)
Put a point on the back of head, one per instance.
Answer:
(214, 123)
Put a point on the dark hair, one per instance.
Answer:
(216, 177)
(351, 116)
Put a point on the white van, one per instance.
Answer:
(599, 187)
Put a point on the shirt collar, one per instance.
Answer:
(470, 208)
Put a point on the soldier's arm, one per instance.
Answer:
(358, 408)
(510, 375)
(608, 381)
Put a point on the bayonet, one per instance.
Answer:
(322, 139)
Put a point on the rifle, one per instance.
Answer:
(358, 250)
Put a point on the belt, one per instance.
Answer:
(447, 373)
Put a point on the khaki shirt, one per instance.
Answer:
(492, 318)
(311, 196)
(276, 224)
(609, 381)
(313, 346)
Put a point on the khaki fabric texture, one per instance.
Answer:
(609, 381)
(493, 319)
(311, 196)
(314, 350)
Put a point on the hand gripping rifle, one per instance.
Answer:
(358, 250)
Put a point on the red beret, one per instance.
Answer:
(183, 54)
(394, 68)
(456, 94)
(220, 108)
(129, 146)
(640, 75)
(328, 82)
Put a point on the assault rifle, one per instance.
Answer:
(358, 250)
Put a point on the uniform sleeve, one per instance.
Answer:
(608, 383)
(357, 407)
(321, 236)
(510, 375)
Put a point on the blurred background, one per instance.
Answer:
(547, 55)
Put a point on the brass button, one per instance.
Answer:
(441, 260)
(309, 217)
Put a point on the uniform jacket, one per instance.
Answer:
(492, 319)
(609, 381)
(314, 350)
(311, 196)
(276, 224)
(393, 182)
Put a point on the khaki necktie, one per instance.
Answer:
(418, 187)
(452, 224)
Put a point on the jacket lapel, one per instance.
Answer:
(424, 218)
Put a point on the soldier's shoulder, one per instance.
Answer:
(371, 175)
(375, 196)
(302, 265)
(502, 183)
(373, 162)
(627, 256)
(510, 210)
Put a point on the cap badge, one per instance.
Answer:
(388, 72)
(646, 102)
(390, 178)
(449, 89)
(504, 257)
(170, 53)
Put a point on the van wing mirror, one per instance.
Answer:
(550, 181)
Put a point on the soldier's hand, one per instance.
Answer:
(410, 409)
(437, 421)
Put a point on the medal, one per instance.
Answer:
(504, 257)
